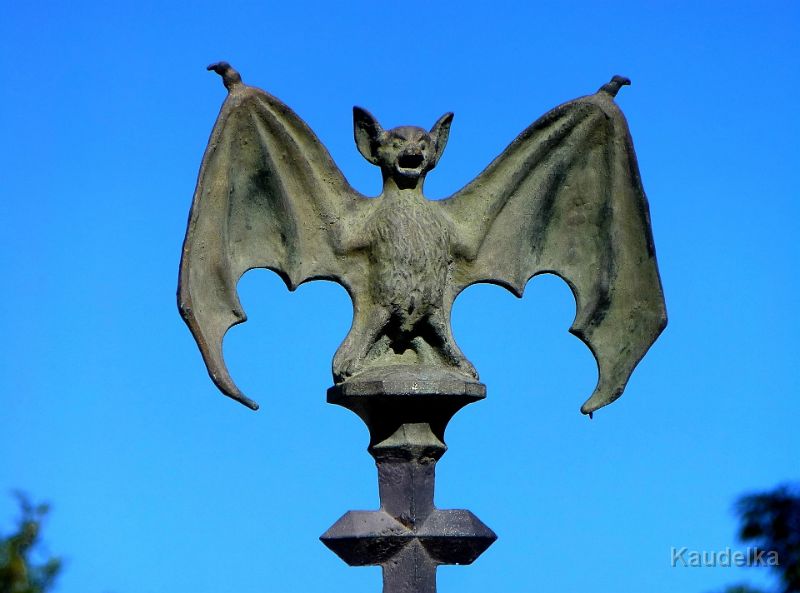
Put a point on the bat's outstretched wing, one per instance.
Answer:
(268, 196)
(566, 198)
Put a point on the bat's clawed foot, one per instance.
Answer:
(343, 369)
(346, 364)
(467, 368)
(456, 358)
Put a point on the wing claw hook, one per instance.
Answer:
(612, 87)
(230, 76)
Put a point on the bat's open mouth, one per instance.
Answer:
(410, 161)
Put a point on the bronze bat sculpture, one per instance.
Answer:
(564, 198)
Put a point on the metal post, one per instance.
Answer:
(407, 413)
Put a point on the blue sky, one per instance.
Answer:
(159, 483)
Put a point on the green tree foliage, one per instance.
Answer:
(23, 567)
(770, 521)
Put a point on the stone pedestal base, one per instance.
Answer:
(407, 410)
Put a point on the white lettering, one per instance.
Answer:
(772, 559)
(678, 555)
(725, 557)
(739, 559)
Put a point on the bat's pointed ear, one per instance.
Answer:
(368, 133)
(439, 133)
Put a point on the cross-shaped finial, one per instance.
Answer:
(408, 536)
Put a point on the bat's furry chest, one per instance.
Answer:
(410, 259)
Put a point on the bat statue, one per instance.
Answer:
(564, 198)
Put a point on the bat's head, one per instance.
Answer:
(405, 153)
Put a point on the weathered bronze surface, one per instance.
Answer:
(407, 410)
(564, 198)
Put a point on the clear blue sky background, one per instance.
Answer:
(159, 484)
